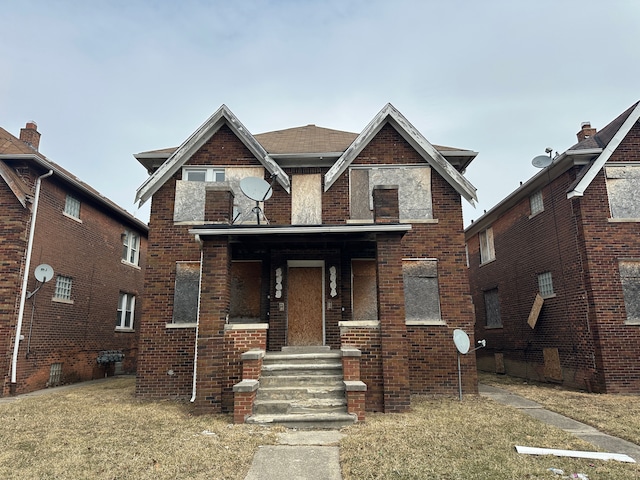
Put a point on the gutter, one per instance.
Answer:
(25, 280)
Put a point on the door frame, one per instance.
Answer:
(308, 263)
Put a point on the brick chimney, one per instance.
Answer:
(30, 135)
(585, 131)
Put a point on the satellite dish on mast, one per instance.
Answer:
(43, 273)
(257, 190)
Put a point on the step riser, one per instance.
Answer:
(288, 393)
(288, 408)
(295, 381)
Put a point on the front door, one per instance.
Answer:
(305, 304)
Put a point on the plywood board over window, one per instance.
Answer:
(246, 283)
(630, 280)
(306, 199)
(186, 292)
(364, 289)
(414, 191)
(421, 293)
(623, 187)
(190, 196)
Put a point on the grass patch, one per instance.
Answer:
(442, 438)
(617, 415)
(101, 431)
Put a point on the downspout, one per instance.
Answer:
(25, 279)
(195, 354)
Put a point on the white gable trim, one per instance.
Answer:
(192, 144)
(599, 162)
(389, 114)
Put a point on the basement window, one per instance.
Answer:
(630, 280)
(55, 375)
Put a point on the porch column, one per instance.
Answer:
(215, 288)
(391, 312)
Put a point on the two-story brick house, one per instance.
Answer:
(359, 243)
(54, 332)
(555, 267)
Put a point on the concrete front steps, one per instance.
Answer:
(302, 387)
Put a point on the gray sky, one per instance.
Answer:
(104, 80)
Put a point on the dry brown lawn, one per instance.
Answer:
(617, 415)
(101, 431)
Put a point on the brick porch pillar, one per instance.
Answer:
(215, 291)
(391, 312)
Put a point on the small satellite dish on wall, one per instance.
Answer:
(256, 189)
(461, 340)
(541, 161)
(43, 273)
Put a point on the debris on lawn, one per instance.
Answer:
(557, 471)
(209, 433)
(620, 457)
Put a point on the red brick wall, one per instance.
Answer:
(367, 340)
(585, 319)
(90, 253)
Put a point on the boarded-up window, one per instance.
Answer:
(364, 290)
(492, 308)
(414, 191)
(630, 279)
(623, 187)
(190, 196)
(421, 293)
(187, 290)
(306, 199)
(487, 250)
(246, 282)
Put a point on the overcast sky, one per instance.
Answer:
(104, 80)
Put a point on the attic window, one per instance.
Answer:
(203, 174)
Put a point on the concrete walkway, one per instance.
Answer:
(301, 455)
(601, 440)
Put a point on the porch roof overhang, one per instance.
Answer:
(307, 231)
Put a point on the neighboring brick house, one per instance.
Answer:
(49, 217)
(364, 247)
(555, 267)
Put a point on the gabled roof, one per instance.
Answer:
(608, 139)
(12, 148)
(389, 114)
(223, 116)
(307, 139)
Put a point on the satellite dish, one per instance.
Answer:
(461, 339)
(43, 273)
(541, 161)
(256, 188)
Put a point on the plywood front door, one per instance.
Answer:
(306, 306)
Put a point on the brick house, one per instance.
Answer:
(555, 267)
(357, 248)
(96, 252)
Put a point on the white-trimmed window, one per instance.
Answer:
(487, 250)
(536, 203)
(63, 288)
(72, 206)
(545, 285)
(630, 279)
(126, 307)
(130, 247)
(203, 174)
(492, 308)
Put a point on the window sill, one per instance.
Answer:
(180, 325)
(360, 324)
(62, 300)
(493, 327)
(129, 264)
(535, 214)
(632, 323)
(623, 220)
(125, 330)
(487, 262)
(76, 219)
(425, 323)
(547, 297)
